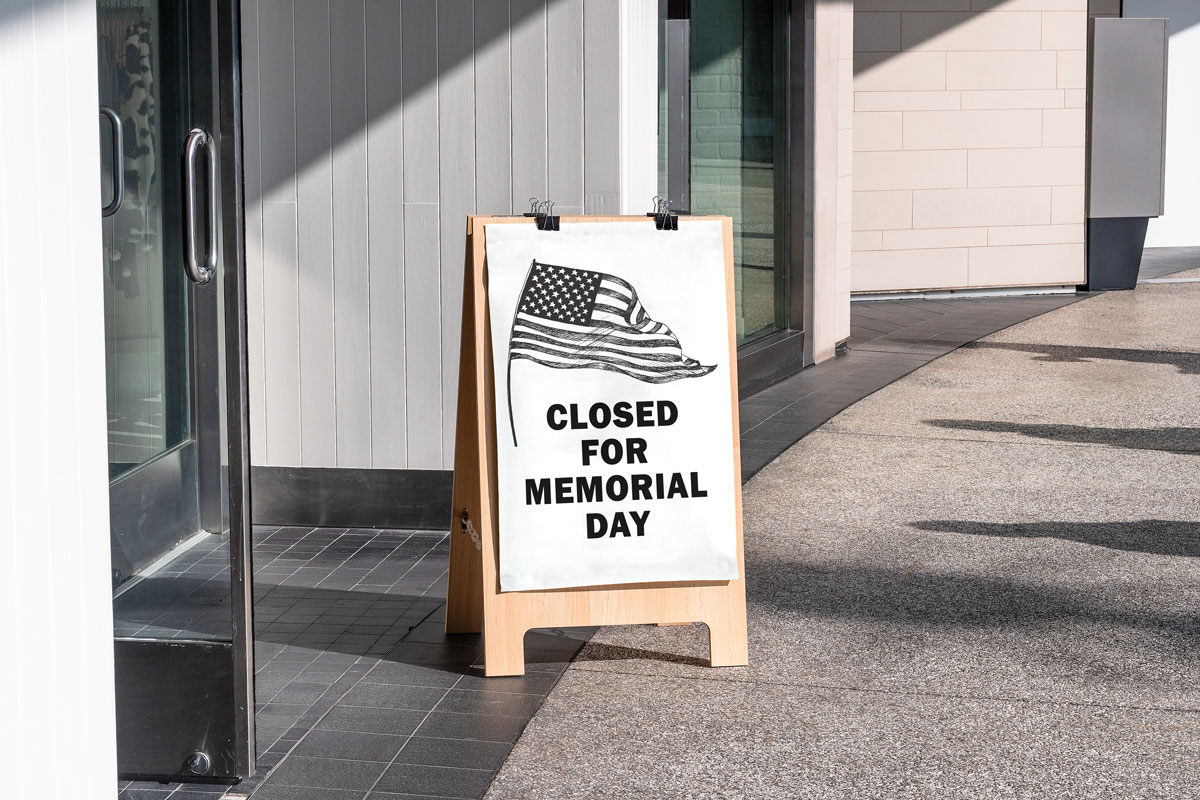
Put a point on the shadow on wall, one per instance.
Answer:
(488, 23)
(1186, 362)
(1164, 440)
(870, 51)
(1154, 536)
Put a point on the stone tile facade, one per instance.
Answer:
(969, 126)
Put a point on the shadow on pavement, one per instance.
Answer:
(1187, 363)
(597, 651)
(1165, 440)
(927, 600)
(1156, 536)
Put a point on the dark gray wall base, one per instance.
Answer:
(769, 361)
(352, 498)
(1115, 252)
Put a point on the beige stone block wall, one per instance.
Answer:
(969, 143)
(835, 133)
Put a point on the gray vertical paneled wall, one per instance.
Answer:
(372, 129)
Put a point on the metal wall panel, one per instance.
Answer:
(351, 284)
(281, 326)
(1127, 120)
(281, 322)
(601, 109)
(493, 109)
(251, 159)
(422, 193)
(528, 37)
(314, 214)
(564, 105)
(373, 128)
(385, 234)
(456, 155)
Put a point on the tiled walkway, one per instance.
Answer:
(359, 691)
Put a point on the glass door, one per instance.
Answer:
(723, 137)
(172, 268)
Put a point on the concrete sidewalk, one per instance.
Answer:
(981, 581)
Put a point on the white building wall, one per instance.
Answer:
(833, 168)
(58, 729)
(372, 129)
(969, 132)
(1180, 225)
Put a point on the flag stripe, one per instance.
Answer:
(520, 332)
(541, 345)
(649, 354)
(624, 335)
(657, 376)
(605, 290)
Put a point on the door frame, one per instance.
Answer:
(785, 352)
(227, 126)
(211, 694)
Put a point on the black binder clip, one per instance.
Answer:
(542, 212)
(664, 220)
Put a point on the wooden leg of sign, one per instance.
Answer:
(464, 584)
(503, 651)
(727, 630)
(727, 647)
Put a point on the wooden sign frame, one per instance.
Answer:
(474, 600)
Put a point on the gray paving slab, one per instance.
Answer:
(1004, 604)
(1099, 372)
(1160, 261)
(754, 740)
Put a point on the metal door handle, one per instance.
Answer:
(199, 269)
(118, 161)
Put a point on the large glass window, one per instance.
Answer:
(722, 138)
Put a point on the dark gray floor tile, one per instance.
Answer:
(467, 701)
(426, 653)
(208, 790)
(145, 794)
(453, 753)
(439, 781)
(271, 791)
(371, 720)
(350, 744)
(414, 674)
(384, 695)
(485, 727)
(566, 639)
(539, 683)
(305, 697)
(326, 773)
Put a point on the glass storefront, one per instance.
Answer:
(722, 139)
(181, 635)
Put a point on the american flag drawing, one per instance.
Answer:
(578, 319)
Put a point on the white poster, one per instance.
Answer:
(613, 409)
